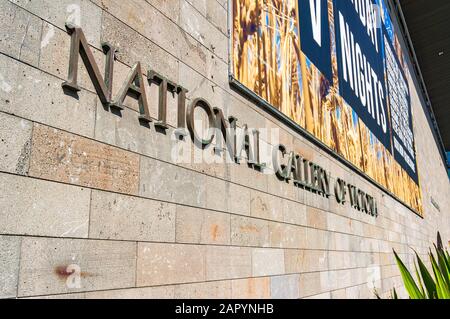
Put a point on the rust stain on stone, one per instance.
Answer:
(214, 232)
(251, 286)
(249, 229)
(63, 273)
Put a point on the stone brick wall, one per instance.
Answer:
(87, 191)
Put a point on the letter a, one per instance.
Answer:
(134, 85)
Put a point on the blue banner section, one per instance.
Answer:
(359, 53)
(399, 98)
(386, 17)
(315, 34)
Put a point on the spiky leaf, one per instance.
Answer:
(445, 270)
(430, 285)
(410, 285)
(419, 280)
(447, 259)
(443, 290)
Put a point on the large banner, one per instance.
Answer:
(336, 69)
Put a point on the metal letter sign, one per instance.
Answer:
(243, 143)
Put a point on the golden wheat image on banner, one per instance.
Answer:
(267, 58)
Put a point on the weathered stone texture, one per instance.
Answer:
(171, 183)
(207, 290)
(249, 232)
(267, 262)
(68, 158)
(266, 206)
(82, 13)
(252, 288)
(198, 226)
(15, 144)
(122, 217)
(51, 266)
(134, 47)
(160, 264)
(285, 287)
(20, 33)
(40, 208)
(144, 215)
(9, 266)
(201, 29)
(37, 96)
(228, 262)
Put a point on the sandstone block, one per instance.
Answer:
(228, 262)
(15, 144)
(53, 266)
(40, 208)
(162, 264)
(163, 181)
(9, 265)
(64, 157)
(20, 33)
(198, 226)
(123, 217)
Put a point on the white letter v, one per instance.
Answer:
(315, 8)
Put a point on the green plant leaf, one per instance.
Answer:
(447, 259)
(445, 270)
(430, 285)
(419, 280)
(443, 290)
(435, 288)
(410, 285)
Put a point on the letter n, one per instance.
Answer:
(80, 47)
